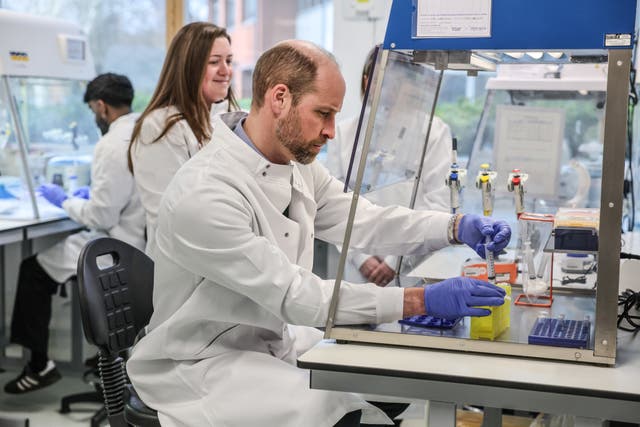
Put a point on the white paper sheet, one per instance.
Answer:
(529, 139)
(458, 18)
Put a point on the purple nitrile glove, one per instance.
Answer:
(53, 193)
(82, 192)
(460, 296)
(474, 229)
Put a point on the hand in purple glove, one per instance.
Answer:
(53, 193)
(82, 192)
(460, 296)
(473, 230)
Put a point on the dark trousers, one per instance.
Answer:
(352, 419)
(32, 307)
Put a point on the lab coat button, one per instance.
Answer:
(286, 234)
(264, 174)
(268, 166)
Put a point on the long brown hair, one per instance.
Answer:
(180, 82)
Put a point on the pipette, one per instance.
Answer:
(515, 185)
(456, 178)
(484, 182)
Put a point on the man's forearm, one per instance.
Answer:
(413, 302)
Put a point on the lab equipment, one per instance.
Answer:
(491, 266)
(467, 295)
(539, 103)
(577, 263)
(560, 332)
(515, 184)
(485, 183)
(506, 269)
(492, 326)
(576, 229)
(456, 179)
(74, 170)
(425, 321)
(534, 234)
(42, 114)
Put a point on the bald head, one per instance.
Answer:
(294, 63)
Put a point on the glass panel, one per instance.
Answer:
(59, 136)
(400, 126)
(546, 121)
(14, 195)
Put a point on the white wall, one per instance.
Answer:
(357, 26)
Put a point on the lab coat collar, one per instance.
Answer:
(123, 118)
(223, 126)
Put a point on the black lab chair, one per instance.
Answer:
(115, 285)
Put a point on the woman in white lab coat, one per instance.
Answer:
(177, 122)
(233, 257)
(113, 209)
(432, 194)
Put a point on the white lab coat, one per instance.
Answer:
(432, 193)
(232, 272)
(156, 162)
(113, 208)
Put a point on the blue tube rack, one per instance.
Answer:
(560, 332)
(425, 321)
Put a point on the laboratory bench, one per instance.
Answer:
(446, 378)
(23, 232)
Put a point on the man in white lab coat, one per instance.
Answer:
(233, 256)
(110, 208)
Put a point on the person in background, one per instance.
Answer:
(233, 256)
(433, 193)
(110, 208)
(194, 84)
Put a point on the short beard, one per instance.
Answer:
(289, 132)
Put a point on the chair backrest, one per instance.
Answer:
(116, 299)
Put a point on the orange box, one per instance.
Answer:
(506, 270)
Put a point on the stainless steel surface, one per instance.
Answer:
(568, 306)
(356, 191)
(615, 128)
(514, 341)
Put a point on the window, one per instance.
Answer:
(307, 4)
(215, 13)
(230, 13)
(249, 10)
(119, 40)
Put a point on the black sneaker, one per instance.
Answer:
(29, 381)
